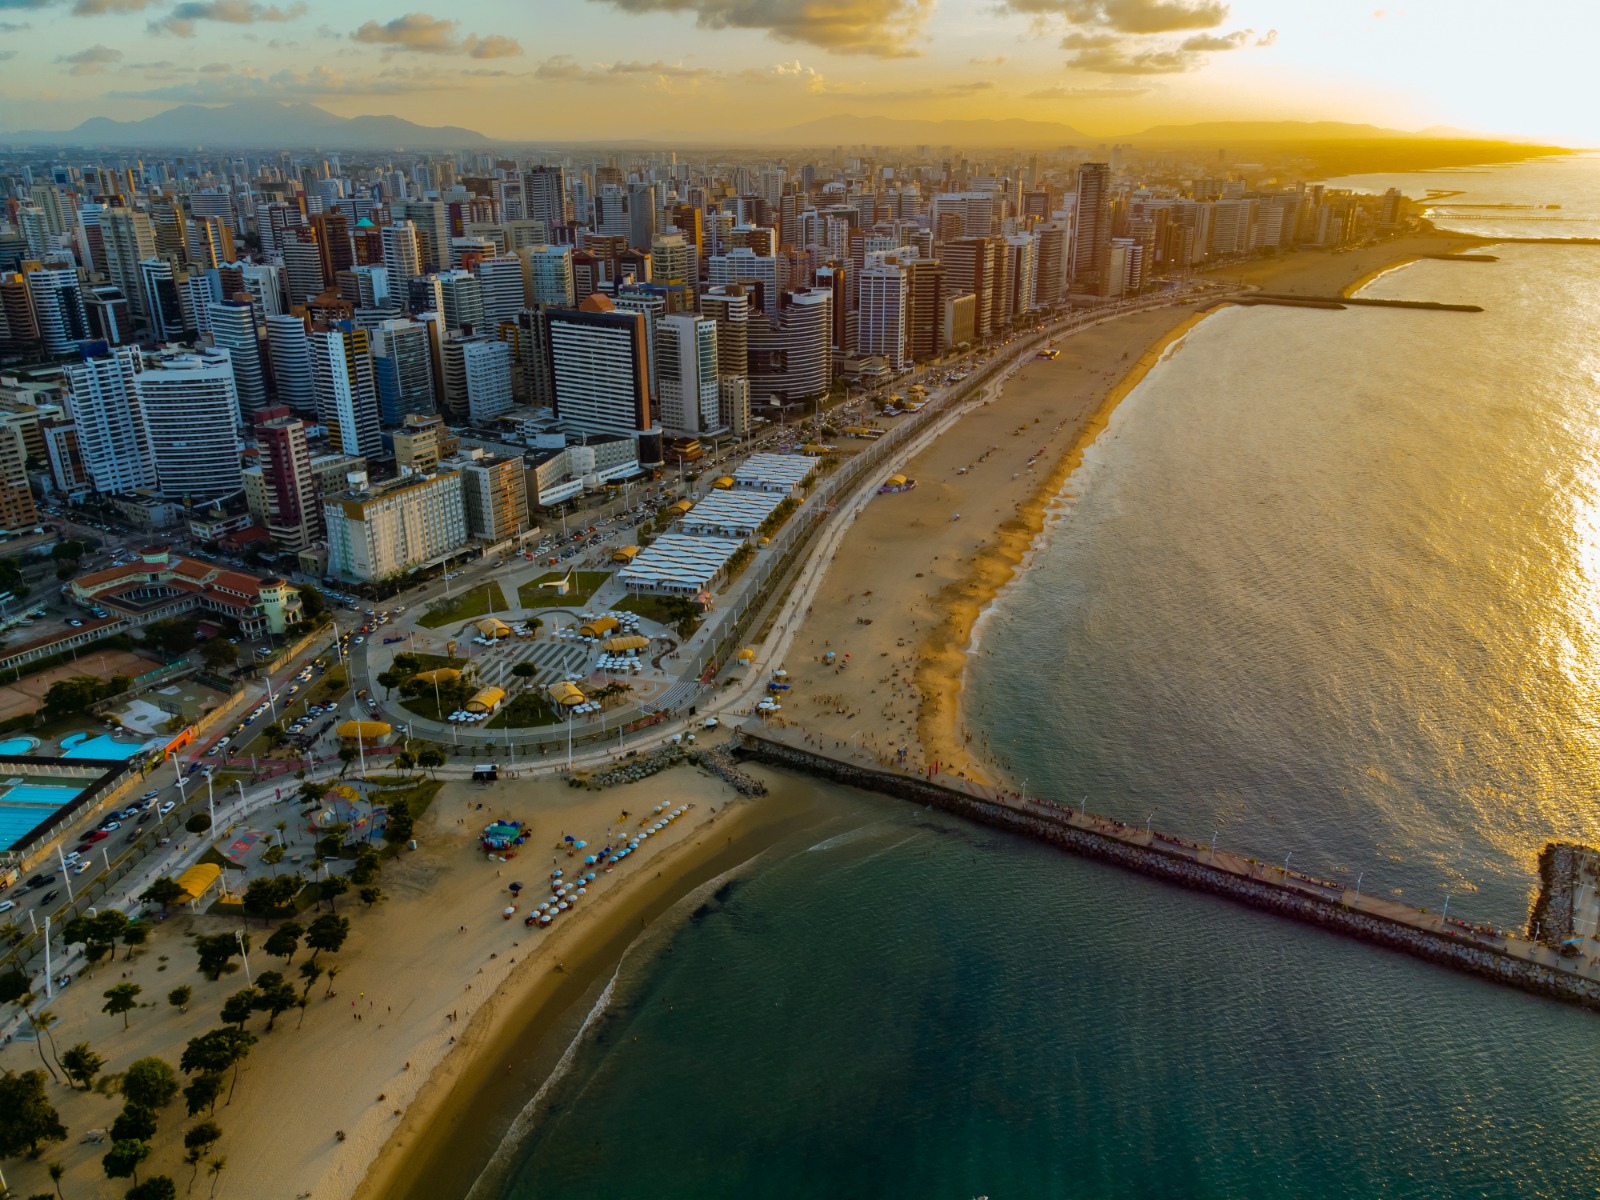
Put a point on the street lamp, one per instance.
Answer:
(238, 936)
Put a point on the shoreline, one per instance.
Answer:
(468, 1106)
(946, 650)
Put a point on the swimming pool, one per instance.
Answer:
(15, 746)
(81, 745)
(26, 806)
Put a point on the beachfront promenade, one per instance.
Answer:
(1479, 949)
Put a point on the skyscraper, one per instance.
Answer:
(58, 306)
(191, 416)
(547, 275)
(545, 189)
(346, 390)
(293, 517)
(128, 239)
(402, 257)
(791, 353)
(402, 360)
(598, 370)
(289, 351)
(686, 374)
(234, 329)
(110, 428)
(885, 311)
(1091, 242)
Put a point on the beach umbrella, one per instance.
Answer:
(579, 845)
(580, 891)
(568, 838)
(590, 859)
(555, 874)
(590, 877)
(563, 906)
(545, 920)
(509, 910)
(516, 887)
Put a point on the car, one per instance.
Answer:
(143, 817)
(81, 867)
(74, 622)
(166, 807)
(150, 795)
(49, 896)
(74, 856)
(134, 836)
(360, 641)
(7, 905)
(111, 827)
(40, 880)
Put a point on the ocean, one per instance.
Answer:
(1329, 587)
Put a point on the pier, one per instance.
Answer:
(1359, 301)
(1558, 971)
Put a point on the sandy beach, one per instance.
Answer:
(385, 1042)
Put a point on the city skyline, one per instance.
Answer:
(658, 69)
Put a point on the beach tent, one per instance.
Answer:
(678, 507)
(367, 731)
(438, 675)
(487, 700)
(624, 554)
(198, 880)
(491, 627)
(747, 654)
(599, 627)
(722, 482)
(566, 694)
(633, 641)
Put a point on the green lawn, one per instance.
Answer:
(476, 602)
(584, 585)
(523, 711)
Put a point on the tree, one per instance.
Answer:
(264, 897)
(73, 695)
(371, 895)
(197, 1143)
(123, 1159)
(333, 973)
(312, 602)
(149, 1081)
(219, 653)
(275, 994)
(215, 1052)
(81, 1065)
(174, 635)
(135, 1123)
(216, 952)
(26, 1115)
(399, 824)
(524, 670)
(312, 792)
(57, 1170)
(202, 1092)
(368, 866)
(214, 1170)
(162, 892)
(122, 999)
(157, 1187)
(333, 887)
(389, 680)
(347, 755)
(285, 940)
(432, 760)
(236, 1009)
(310, 972)
(198, 823)
(135, 933)
(179, 997)
(328, 932)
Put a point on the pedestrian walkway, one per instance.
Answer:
(552, 661)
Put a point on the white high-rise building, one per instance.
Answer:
(105, 411)
(191, 416)
(380, 531)
(883, 312)
(402, 361)
(545, 189)
(346, 389)
(58, 307)
(500, 285)
(289, 350)
(686, 375)
(547, 275)
(402, 255)
(234, 329)
(461, 298)
(477, 378)
(128, 238)
(598, 367)
(743, 265)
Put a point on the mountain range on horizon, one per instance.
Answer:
(276, 124)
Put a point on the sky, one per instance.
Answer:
(532, 69)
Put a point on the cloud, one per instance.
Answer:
(993, 61)
(563, 68)
(1123, 37)
(14, 26)
(5, 4)
(1087, 93)
(7, 54)
(95, 8)
(1116, 60)
(90, 61)
(1130, 16)
(1218, 41)
(422, 34)
(181, 20)
(877, 28)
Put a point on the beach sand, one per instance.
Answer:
(405, 968)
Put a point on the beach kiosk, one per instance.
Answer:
(493, 628)
(197, 881)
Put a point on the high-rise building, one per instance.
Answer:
(925, 309)
(128, 239)
(494, 494)
(402, 257)
(500, 284)
(379, 531)
(1091, 242)
(402, 360)
(19, 328)
(757, 273)
(346, 390)
(545, 189)
(292, 515)
(791, 352)
(289, 351)
(422, 442)
(163, 310)
(17, 509)
(302, 264)
(191, 416)
(971, 265)
(686, 375)
(58, 307)
(110, 428)
(547, 275)
(1049, 265)
(477, 378)
(885, 311)
(461, 300)
(729, 307)
(234, 329)
(599, 367)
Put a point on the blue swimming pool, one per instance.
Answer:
(26, 806)
(81, 745)
(16, 746)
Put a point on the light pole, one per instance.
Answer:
(238, 936)
(66, 875)
(1286, 859)
(1360, 875)
(1147, 821)
(211, 803)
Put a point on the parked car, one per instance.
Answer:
(166, 807)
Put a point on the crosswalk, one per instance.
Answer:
(678, 694)
(551, 660)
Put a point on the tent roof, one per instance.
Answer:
(364, 729)
(629, 642)
(197, 880)
(438, 675)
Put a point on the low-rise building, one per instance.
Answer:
(381, 530)
(160, 584)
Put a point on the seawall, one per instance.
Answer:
(1489, 954)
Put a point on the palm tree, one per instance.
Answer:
(332, 972)
(214, 1170)
(56, 1172)
(41, 1022)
